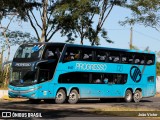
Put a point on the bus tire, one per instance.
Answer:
(128, 96)
(73, 97)
(60, 97)
(137, 96)
(34, 101)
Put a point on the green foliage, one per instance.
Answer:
(3, 75)
(144, 12)
(158, 68)
(17, 7)
(16, 38)
(77, 17)
(71, 17)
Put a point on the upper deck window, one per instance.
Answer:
(72, 54)
(29, 51)
(101, 55)
(114, 57)
(52, 52)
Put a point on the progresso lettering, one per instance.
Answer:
(23, 64)
(86, 66)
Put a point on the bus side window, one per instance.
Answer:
(113, 78)
(120, 78)
(51, 53)
(87, 55)
(101, 56)
(139, 59)
(96, 78)
(72, 54)
(130, 57)
(72, 78)
(150, 59)
(149, 62)
(114, 57)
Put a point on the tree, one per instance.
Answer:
(144, 12)
(158, 68)
(78, 18)
(9, 10)
(46, 26)
(9, 38)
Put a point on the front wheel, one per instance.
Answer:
(128, 96)
(60, 97)
(73, 97)
(137, 96)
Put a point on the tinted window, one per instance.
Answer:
(151, 79)
(114, 57)
(150, 59)
(87, 55)
(29, 51)
(93, 78)
(72, 54)
(101, 56)
(112, 78)
(139, 59)
(72, 78)
(52, 52)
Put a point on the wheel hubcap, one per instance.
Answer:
(129, 96)
(59, 96)
(136, 96)
(72, 96)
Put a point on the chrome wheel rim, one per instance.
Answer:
(128, 96)
(59, 96)
(72, 97)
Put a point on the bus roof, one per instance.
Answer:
(108, 48)
(87, 46)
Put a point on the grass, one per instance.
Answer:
(120, 111)
(158, 95)
(4, 88)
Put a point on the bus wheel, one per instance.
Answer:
(34, 101)
(60, 97)
(137, 96)
(128, 96)
(73, 97)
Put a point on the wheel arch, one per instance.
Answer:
(74, 88)
(140, 89)
(63, 88)
(126, 90)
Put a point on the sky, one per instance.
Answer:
(142, 36)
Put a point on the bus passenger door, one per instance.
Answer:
(43, 78)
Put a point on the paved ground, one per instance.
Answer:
(85, 108)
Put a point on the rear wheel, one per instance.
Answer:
(128, 96)
(73, 97)
(34, 101)
(60, 97)
(137, 96)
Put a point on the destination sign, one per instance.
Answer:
(23, 64)
(87, 66)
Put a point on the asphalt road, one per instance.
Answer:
(85, 109)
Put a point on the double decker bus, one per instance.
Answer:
(67, 72)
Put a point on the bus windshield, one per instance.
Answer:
(23, 77)
(29, 51)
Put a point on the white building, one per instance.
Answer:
(158, 84)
